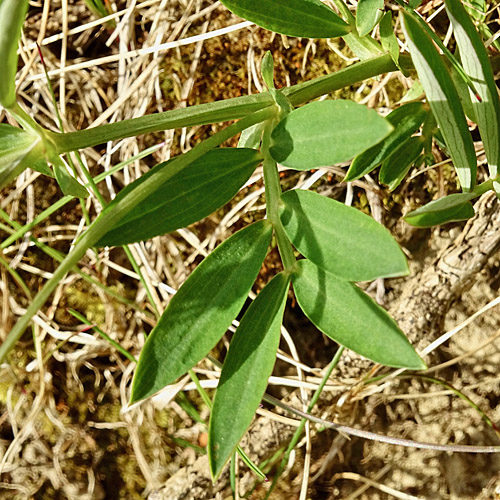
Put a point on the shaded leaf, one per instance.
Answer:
(247, 367)
(451, 208)
(15, 146)
(12, 14)
(339, 238)
(395, 168)
(476, 64)
(406, 120)
(349, 316)
(190, 195)
(68, 184)
(303, 18)
(325, 133)
(368, 14)
(444, 101)
(200, 312)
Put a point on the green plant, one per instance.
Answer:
(340, 245)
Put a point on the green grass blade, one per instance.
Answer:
(444, 101)
(202, 310)
(340, 239)
(347, 315)
(190, 195)
(476, 64)
(302, 18)
(245, 373)
(325, 133)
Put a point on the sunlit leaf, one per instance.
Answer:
(200, 312)
(395, 168)
(406, 120)
(476, 64)
(302, 18)
(444, 101)
(349, 316)
(339, 238)
(190, 195)
(251, 136)
(325, 133)
(12, 14)
(368, 14)
(247, 367)
(451, 208)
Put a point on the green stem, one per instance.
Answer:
(220, 111)
(109, 219)
(273, 199)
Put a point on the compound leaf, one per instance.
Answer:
(406, 120)
(349, 316)
(245, 373)
(444, 101)
(340, 239)
(302, 18)
(325, 133)
(193, 193)
(200, 312)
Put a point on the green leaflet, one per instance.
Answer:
(267, 70)
(68, 184)
(202, 310)
(12, 14)
(16, 146)
(251, 136)
(388, 38)
(302, 18)
(451, 208)
(395, 168)
(340, 239)
(368, 14)
(406, 120)
(476, 64)
(444, 101)
(245, 373)
(188, 196)
(349, 316)
(325, 133)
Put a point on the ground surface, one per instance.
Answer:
(63, 433)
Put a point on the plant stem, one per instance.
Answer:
(108, 219)
(220, 111)
(273, 198)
